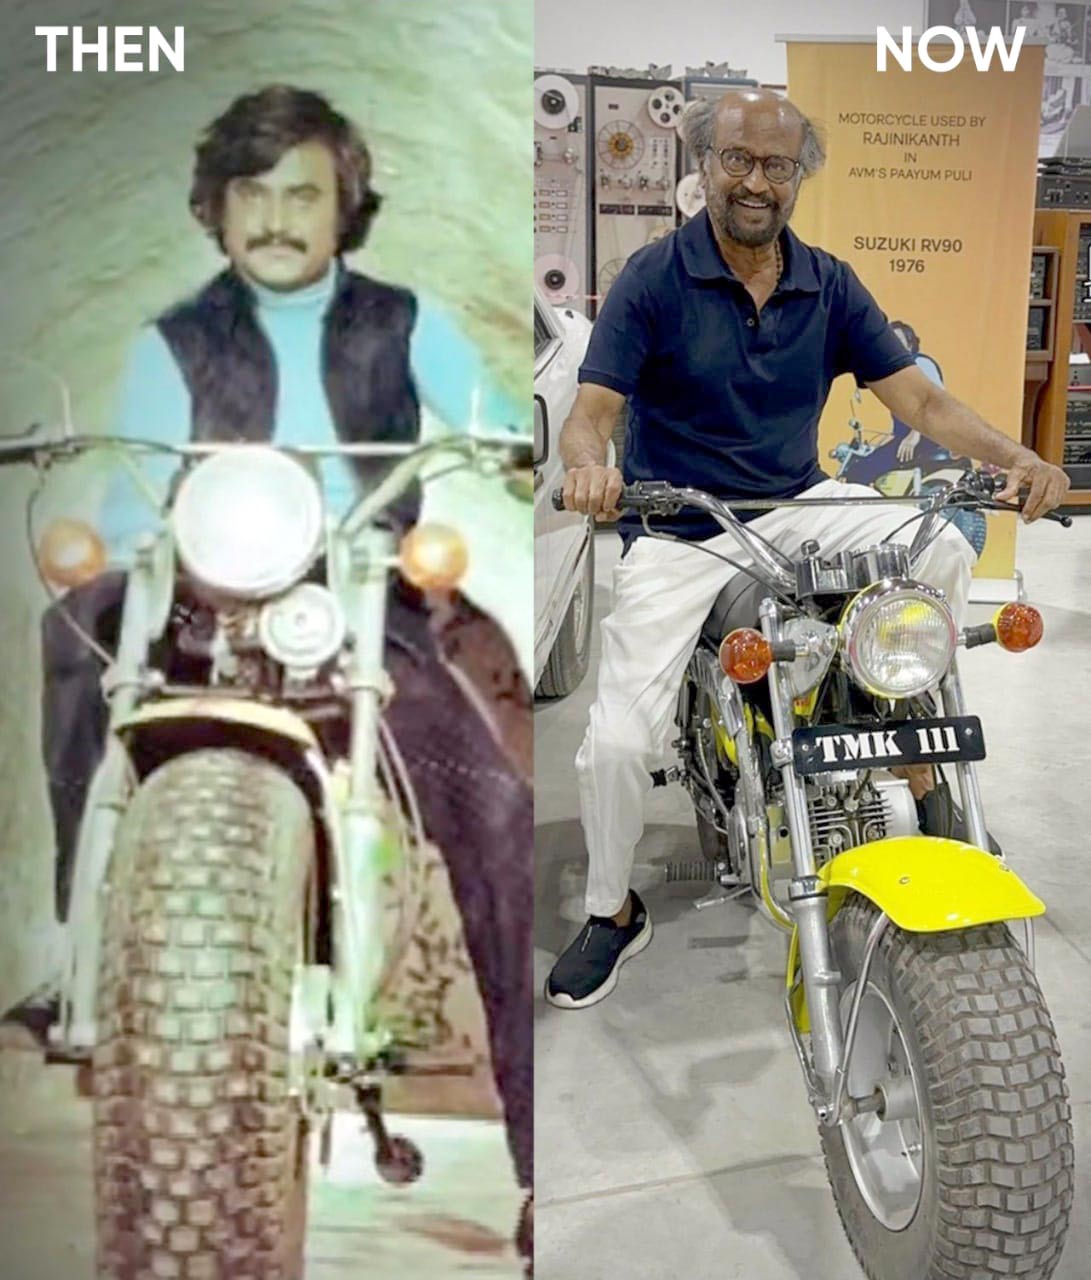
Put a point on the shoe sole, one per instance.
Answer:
(563, 1001)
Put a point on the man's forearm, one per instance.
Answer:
(582, 443)
(955, 426)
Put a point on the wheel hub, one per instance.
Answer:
(885, 1145)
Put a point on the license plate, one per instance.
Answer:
(857, 746)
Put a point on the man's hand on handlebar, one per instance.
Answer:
(1046, 483)
(594, 490)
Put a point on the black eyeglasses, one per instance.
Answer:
(738, 163)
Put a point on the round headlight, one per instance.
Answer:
(305, 627)
(248, 522)
(898, 639)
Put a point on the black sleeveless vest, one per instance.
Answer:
(230, 371)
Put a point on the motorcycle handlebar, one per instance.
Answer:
(32, 445)
(659, 497)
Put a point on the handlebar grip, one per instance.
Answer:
(19, 453)
(633, 497)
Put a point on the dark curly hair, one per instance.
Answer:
(254, 133)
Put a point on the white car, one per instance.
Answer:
(564, 548)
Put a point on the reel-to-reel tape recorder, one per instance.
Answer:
(610, 173)
(561, 185)
(633, 125)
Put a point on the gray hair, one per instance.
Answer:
(698, 130)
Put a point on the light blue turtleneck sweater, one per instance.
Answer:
(448, 371)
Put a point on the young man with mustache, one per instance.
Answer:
(289, 345)
(725, 337)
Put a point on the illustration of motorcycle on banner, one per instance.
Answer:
(901, 462)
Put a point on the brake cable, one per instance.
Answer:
(750, 571)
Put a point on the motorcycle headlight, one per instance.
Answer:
(303, 628)
(248, 522)
(898, 639)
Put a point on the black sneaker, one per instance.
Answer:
(586, 971)
(26, 1024)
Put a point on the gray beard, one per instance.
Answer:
(722, 213)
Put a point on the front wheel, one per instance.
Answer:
(971, 1176)
(200, 1151)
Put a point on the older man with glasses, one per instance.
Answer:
(724, 337)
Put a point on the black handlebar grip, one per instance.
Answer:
(19, 453)
(557, 499)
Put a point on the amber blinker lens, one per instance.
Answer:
(745, 655)
(434, 557)
(71, 553)
(1018, 627)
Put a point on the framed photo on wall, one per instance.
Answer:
(1063, 27)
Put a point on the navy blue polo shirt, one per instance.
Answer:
(721, 396)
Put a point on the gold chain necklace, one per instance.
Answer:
(780, 262)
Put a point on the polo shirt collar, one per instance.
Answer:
(701, 257)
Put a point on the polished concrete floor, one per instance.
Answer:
(673, 1135)
(456, 1222)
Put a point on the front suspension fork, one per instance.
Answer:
(807, 896)
(363, 568)
(75, 1032)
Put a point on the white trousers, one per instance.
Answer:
(663, 592)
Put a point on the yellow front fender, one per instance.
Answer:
(925, 885)
(929, 885)
(234, 711)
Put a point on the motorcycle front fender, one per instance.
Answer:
(930, 885)
(234, 712)
(925, 885)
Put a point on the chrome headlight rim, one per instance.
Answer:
(880, 593)
(199, 503)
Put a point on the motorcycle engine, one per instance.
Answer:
(845, 814)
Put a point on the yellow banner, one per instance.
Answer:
(929, 193)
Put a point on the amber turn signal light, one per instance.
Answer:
(70, 553)
(745, 655)
(433, 557)
(1018, 627)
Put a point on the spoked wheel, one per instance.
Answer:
(200, 1149)
(966, 1171)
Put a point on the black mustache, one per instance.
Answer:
(279, 242)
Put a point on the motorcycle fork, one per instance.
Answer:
(123, 684)
(362, 571)
(806, 894)
(749, 792)
(969, 792)
(954, 704)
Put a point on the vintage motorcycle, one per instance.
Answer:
(926, 1047)
(228, 959)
